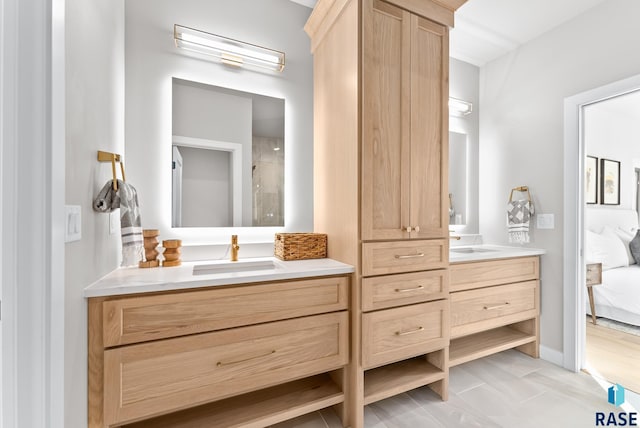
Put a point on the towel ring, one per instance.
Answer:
(520, 189)
(113, 158)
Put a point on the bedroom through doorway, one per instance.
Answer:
(611, 129)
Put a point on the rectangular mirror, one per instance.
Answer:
(457, 178)
(227, 157)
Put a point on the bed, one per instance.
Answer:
(607, 235)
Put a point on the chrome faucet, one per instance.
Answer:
(234, 248)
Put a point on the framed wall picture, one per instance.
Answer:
(609, 182)
(591, 180)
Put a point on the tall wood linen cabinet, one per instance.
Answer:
(380, 185)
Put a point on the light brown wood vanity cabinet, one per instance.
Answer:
(380, 184)
(242, 355)
(495, 306)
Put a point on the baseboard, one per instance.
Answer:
(552, 355)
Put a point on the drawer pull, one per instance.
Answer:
(489, 308)
(406, 290)
(222, 363)
(404, 333)
(409, 256)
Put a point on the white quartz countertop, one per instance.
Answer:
(474, 253)
(136, 280)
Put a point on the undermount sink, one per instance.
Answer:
(231, 267)
(468, 250)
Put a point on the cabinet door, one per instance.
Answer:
(404, 125)
(385, 121)
(429, 128)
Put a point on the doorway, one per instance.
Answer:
(612, 344)
(574, 216)
(207, 183)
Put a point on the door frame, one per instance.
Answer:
(32, 184)
(637, 200)
(176, 187)
(574, 208)
(8, 158)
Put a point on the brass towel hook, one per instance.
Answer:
(113, 158)
(520, 189)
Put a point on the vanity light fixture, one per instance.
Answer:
(460, 107)
(228, 51)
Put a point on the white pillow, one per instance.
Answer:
(593, 251)
(625, 237)
(605, 248)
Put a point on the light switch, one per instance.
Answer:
(545, 221)
(73, 223)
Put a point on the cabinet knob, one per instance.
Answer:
(416, 229)
(408, 228)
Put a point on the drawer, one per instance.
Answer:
(399, 333)
(380, 258)
(144, 318)
(483, 309)
(404, 289)
(168, 375)
(467, 276)
(594, 274)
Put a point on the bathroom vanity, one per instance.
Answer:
(495, 301)
(250, 343)
(260, 341)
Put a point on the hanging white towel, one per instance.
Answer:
(519, 215)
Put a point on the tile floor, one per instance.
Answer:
(508, 389)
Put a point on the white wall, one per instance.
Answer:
(464, 85)
(614, 134)
(94, 121)
(151, 62)
(521, 128)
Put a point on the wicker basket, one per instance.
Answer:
(300, 246)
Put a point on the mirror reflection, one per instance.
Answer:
(457, 178)
(227, 157)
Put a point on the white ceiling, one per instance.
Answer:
(487, 29)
